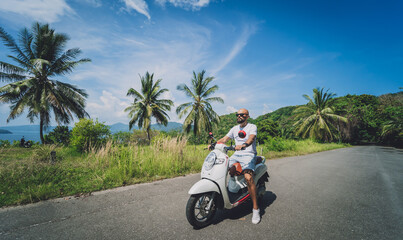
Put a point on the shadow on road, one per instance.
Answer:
(245, 209)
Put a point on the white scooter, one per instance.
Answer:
(218, 189)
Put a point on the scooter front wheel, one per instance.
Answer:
(200, 209)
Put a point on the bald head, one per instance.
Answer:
(243, 110)
(242, 116)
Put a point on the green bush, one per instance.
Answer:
(279, 144)
(5, 143)
(16, 143)
(122, 137)
(59, 135)
(267, 129)
(88, 134)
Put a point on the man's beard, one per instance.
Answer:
(240, 121)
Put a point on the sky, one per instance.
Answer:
(263, 55)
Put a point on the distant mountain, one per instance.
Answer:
(125, 127)
(119, 127)
(2, 131)
(26, 128)
(167, 128)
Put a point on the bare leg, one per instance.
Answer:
(251, 189)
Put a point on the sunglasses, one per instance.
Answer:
(241, 114)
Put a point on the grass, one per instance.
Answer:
(29, 175)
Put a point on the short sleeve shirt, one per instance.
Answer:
(250, 129)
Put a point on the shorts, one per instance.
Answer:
(247, 161)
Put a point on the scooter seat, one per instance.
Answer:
(259, 159)
(235, 169)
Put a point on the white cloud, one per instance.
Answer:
(170, 55)
(241, 100)
(108, 108)
(138, 5)
(242, 41)
(221, 95)
(40, 10)
(231, 109)
(94, 3)
(186, 4)
(266, 109)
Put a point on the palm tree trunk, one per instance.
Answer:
(148, 136)
(41, 128)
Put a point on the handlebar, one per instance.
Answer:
(212, 146)
(230, 148)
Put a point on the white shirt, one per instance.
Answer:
(250, 129)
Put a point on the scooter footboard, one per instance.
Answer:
(259, 171)
(204, 185)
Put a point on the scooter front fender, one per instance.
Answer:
(203, 186)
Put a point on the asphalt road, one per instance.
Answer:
(351, 193)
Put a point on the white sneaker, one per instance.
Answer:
(256, 216)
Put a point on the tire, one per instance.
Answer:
(261, 186)
(196, 210)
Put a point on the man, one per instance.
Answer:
(22, 141)
(245, 146)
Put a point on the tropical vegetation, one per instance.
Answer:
(39, 58)
(199, 113)
(147, 104)
(317, 119)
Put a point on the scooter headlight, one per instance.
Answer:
(209, 161)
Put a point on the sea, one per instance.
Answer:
(17, 135)
(31, 132)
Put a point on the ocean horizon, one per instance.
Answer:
(17, 135)
(31, 132)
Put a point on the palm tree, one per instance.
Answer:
(316, 119)
(392, 128)
(40, 56)
(146, 104)
(199, 111)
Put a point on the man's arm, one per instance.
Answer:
(247, 143)
(224, 139)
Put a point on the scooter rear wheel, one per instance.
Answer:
(200, 210)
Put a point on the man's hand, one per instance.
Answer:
(239, 147)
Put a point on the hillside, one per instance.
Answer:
(2, 131)
(171, 126)
(367, 115)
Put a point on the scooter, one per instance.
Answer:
(218, 189)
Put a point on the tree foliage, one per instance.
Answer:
(199, 113)
(147, 104)
(40, 57)
(372, 119)
(88, 134)
(317, 119)
(59, 135)
(267, 129)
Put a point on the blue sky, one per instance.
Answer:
(264, 55)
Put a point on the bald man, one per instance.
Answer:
(245, 146)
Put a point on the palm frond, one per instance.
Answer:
(184, 88)
(9, 41)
